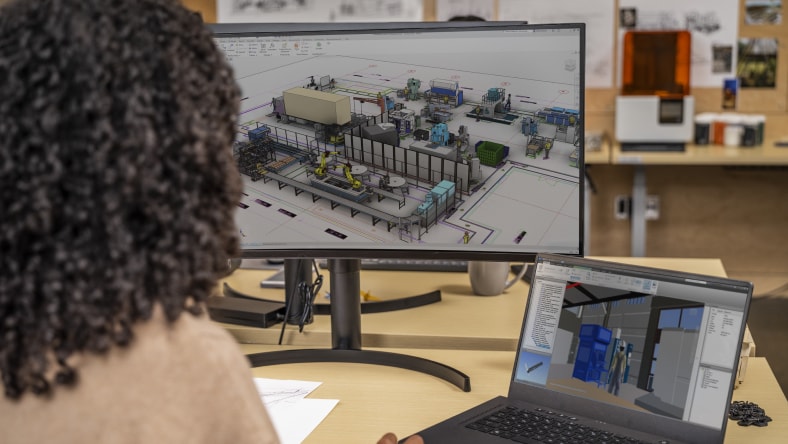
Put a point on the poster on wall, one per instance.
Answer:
(714, 28)
(251, 11)
(598, 16)
(447, 9)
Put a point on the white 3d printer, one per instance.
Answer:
(655, 111)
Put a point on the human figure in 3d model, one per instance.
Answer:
(617, 367)
(547, 146)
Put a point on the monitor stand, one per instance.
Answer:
(345, 308)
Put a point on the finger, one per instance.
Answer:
(415, 439)
(388, 438)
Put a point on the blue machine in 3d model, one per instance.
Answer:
(590, 360)
(446, 92)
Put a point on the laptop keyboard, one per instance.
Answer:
(527, 426)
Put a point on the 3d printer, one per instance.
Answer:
(654, 111)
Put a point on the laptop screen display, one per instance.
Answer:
(659, 343)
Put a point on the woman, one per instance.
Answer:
(117, 190)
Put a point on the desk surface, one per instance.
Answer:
(766, 154)
(600, 156)
(474, 334)
(460, 320)
(377, 399)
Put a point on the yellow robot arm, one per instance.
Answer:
(355, 183)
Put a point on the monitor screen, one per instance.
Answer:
(438, 140)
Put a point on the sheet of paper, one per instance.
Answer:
(295, 420)
(598, 15)
(294, 416)
(274, 391)
(248, 11)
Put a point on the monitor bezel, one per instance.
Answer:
(429, 252)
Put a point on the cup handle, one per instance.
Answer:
(519, 276)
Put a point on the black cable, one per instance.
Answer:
(748, 413)
(308, 293)
(284, 322)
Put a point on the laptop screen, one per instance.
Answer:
(653, 341)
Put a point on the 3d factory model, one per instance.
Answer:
(333, 115)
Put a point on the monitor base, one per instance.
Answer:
(398, 360)
(366, 307)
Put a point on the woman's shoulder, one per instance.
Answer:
(207, 365)
(189, 336)
(178, 381)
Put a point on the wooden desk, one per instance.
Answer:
(377, 399)
(460, 321)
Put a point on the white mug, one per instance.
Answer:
(489, 278)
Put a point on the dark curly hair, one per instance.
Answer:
(117, 182)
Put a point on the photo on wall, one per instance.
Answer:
(730, 94)
(627, 18)
(763, 12)
(757, 62)
(722, 59)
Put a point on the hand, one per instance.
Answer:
(390, 438)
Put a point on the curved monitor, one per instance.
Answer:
(415, 140)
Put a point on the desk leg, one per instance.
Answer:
(638, 214)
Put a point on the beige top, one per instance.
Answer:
(185, 383)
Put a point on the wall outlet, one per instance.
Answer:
(621, 207)
(652, 207)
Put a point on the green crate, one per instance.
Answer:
(490, 153)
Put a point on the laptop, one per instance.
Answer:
(621, 352)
